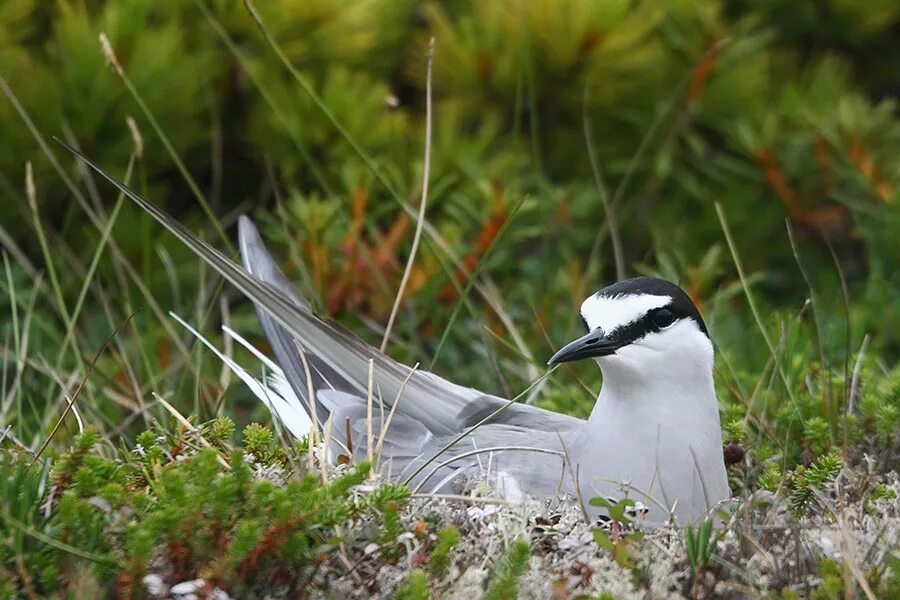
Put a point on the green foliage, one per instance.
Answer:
(23, 559)
(219, 431)
(388, 494)
(882, 491)
(505, 580)
(198, 517)
(734, 431)
(699, 546)
(837, 578)
(771, 478)
(618, 540)
(441, 555)
(69, 463)
(260, 443)
(805, 482)
(816, 434)
(415, 588)
(391, 528)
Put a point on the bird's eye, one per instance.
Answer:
(663, 317)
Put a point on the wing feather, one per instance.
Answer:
(341, 358)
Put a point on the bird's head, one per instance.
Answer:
(641, 328)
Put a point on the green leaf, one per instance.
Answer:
(603, 540)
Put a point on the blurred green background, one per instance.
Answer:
(782, 112)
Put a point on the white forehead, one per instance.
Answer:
(610, 313)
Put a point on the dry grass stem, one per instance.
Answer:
(426, 168)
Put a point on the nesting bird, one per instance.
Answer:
(653, 435)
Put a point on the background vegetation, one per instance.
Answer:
(574, 143)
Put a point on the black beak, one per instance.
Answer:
(589, 346)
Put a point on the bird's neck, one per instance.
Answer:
(667, 397)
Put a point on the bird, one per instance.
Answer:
(653, 437)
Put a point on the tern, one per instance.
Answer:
(653, 435)
(654, 432)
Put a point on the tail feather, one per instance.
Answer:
(281, 402)
(338, 360)
(259, 263)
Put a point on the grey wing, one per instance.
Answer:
(339, 355)
(513, 460)
(523, 415)
(339, 361)
(283, 345)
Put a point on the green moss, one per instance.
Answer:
(193, 514)
(805, 482)
(441, 555)
(505, 580)
(415, 588)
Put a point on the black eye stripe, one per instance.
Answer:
(585, 323)
(648, 323)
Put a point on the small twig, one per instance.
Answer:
(385, 426)
(854, 382)
(426, 168)
(349, 433)
(575, 483)
(189, 426)
(313, 408)
(369, 396)
(326, 441)
(90, 369)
